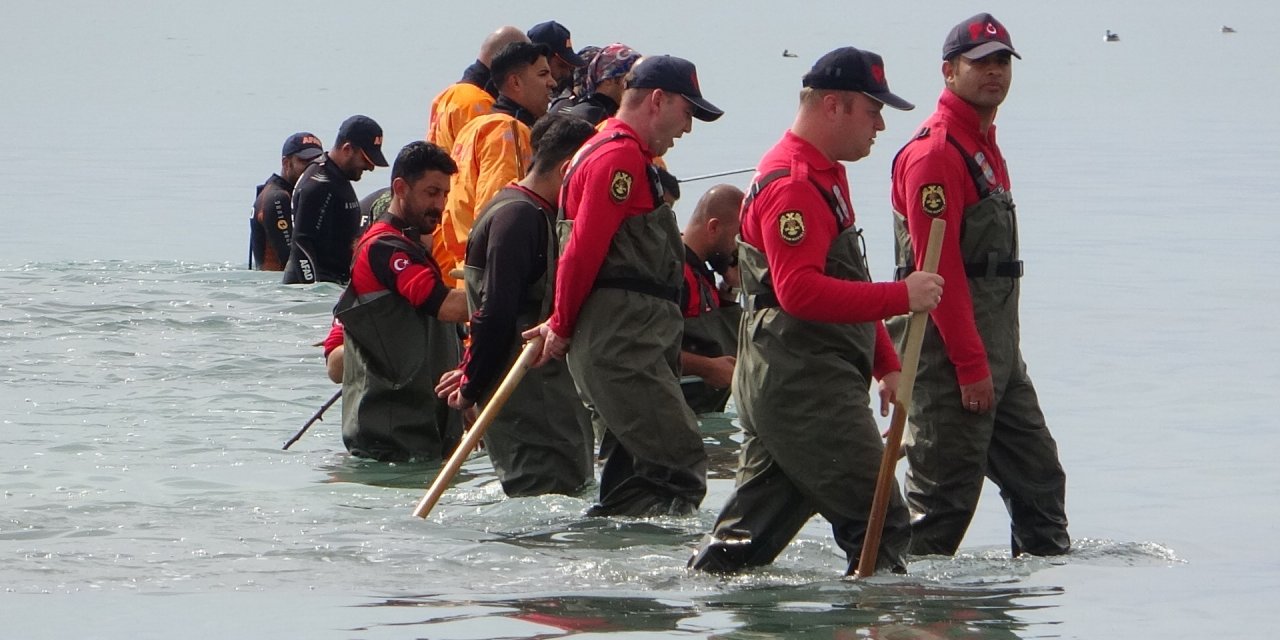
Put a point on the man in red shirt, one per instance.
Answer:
(812, 334)
(616, 296)
(974, 409)
(710, 343)
(397, 319)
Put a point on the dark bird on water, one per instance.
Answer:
(1111, 37)
(786, 53)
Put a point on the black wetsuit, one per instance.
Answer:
(593, 108)
(480, 76)
(326, 218)
(520, 236)
(271, 227)
(542, 441)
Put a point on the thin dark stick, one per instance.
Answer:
(315, 417)
(717, 175)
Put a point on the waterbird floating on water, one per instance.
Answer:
(786, 53)
(1111, 37)
(1226, 29)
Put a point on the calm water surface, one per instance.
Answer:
(147, 381)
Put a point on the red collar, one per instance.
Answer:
(804, 150)
(538, 199)
(614, 124)
(954, 108)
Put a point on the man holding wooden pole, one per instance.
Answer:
(812, 336)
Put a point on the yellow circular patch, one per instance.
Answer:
(933, 200)
(282, 224)
(620, 186)
(791, 227)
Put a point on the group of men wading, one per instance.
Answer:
(563, 232)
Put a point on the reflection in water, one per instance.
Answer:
(396, 475)
(896, 610)
(553, 573)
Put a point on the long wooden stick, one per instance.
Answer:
(469, 442)
(317, 416)
(897, 424)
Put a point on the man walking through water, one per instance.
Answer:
(974, 411)
(812, 334)
(616, 296)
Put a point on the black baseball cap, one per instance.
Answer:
(363, 132)
(556, 37)
(978, 37)
(850, 69)
(303, 144)
(675, 75)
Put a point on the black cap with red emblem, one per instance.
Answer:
(978, 37)
(850, 69)
(556, 37)
(675, 75)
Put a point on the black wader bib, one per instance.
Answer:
(625, 360)
(542, 441)
(950, 449)
(811, 444)
(393, 355)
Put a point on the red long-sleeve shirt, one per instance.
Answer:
(931, 161)
(384, 265)
(797, 264)
(591, 201)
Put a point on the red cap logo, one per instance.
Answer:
(877, 72)
(976, 31)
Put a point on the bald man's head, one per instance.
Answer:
(713, 228)
(497, 40)
(721, 202)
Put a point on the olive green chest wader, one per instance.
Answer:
(393, 355)
(951, 449)
(811, 442)
(542, 441)
(625, 359)
(712, 333)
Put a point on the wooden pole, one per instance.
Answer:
(897, 424)
(527, 357)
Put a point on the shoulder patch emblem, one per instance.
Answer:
(933, 200)
(791, 227)
(620, 186)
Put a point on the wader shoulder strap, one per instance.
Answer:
(832, 200)
(975, 171)
(706, 293)
(651, 172)
(985, 269)
(638, 285)
(768, 298)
